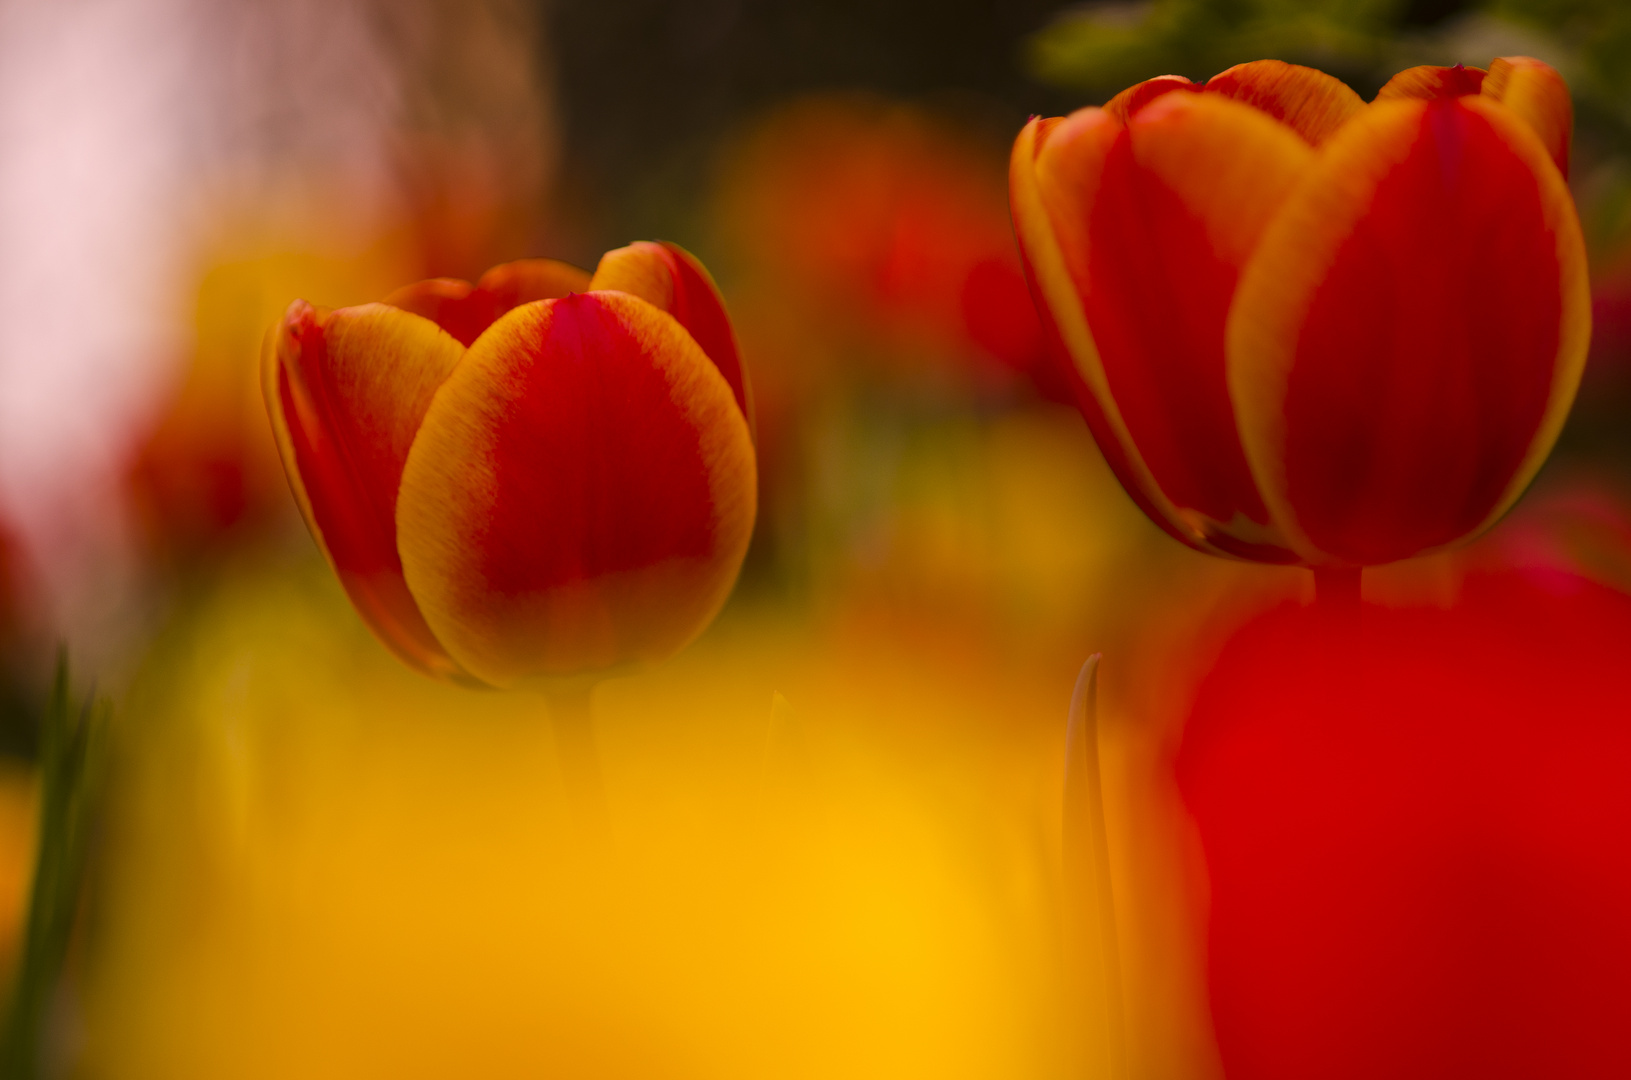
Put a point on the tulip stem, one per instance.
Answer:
(572, 715)
(1336, 591)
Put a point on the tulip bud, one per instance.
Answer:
(1307, 330)
(535, 477)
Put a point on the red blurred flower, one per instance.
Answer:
(888, 218)
(1308, 330)
(199, 478)
(1415, 831)
(541, 475)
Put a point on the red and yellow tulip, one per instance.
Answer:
(540, 476)
(1308, 330)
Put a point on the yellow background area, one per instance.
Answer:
(319, 863)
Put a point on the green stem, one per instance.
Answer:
(70, 787)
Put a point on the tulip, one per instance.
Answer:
(1414, 832)
(541, 477)
(1308, 330)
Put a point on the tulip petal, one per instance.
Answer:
(1154, 222)
(1310, 102)
(1127, 104)
(1429, 82)
(512, 284)
(1538, 94)
(580, 494)
(1047, 250)
(465, 310)
(670, 278)
(346, 392)
(1404, 346)
(452, 304)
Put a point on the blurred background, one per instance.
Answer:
(314, 862)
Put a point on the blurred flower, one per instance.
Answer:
(1414, 833)
(892, 221)
(1575, 525)
(207, 477)
(517, 479)
(1307, 330)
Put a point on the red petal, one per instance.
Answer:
(452, 304)
(1406, 342)
(1310, 102)
(512, 284)
(580, 494)
(1127, 104)
(1132, 238)
(1053, 177)
(669, 277)
(1539, 95)
(1428, 83)
(346, 392)
(466, 310)
(1184, 193)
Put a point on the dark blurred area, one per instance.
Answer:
(18, 721)
(647, 88)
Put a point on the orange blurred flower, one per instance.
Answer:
(1305, 329)
(541, 475)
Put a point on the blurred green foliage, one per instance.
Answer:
(1101, 47)
(1594, 42)
(72, 761)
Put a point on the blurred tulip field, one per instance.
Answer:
(685, 680)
